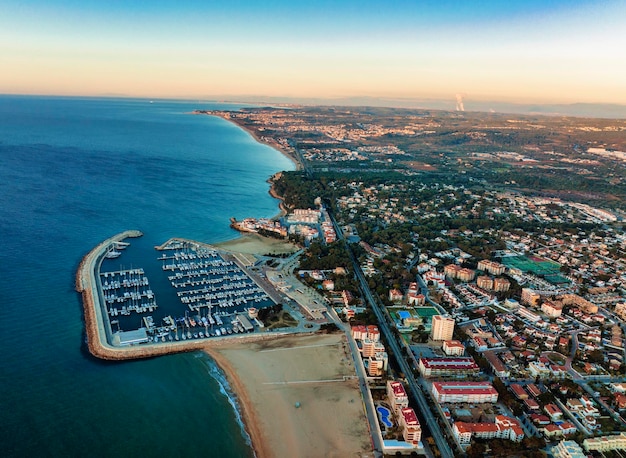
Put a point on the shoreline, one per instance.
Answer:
(281, 149)
(265, 442)
(276, 146)
(256, 244)
(269, 381)
(284, 384)
(249, 418)
(281, 199)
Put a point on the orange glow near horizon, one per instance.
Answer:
(562, 59)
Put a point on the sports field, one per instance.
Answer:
(546, 268)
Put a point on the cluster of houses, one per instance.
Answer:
(413, 296)
(309, 224)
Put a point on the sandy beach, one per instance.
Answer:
(256, 244)
(316, 371)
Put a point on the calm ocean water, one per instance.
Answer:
(74, 171)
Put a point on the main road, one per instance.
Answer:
(385, 328)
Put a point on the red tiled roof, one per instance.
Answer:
(552, 409)
(449, 363)
(518, 390)
(464, 388)
(398, 389)
(409, 417)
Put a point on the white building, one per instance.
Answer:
(442, 328)
(397, 396)
(464, 392)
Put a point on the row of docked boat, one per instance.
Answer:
(127, 309)
(123, 279)
(193, 327)
(207, 280)
(128, 288)
(190, 253)
(223, 299)
(111, 297)
(201, 277)
(126, 283)
(195, 267)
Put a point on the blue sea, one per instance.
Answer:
(73, 172)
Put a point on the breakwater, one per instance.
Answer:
(97, 325)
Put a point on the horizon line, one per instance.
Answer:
(517, 107)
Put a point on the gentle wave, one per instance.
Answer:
(220, 377)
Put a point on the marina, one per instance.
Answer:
(214, 297)
(127, 291)
(204, 279)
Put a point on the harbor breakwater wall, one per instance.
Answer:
(87, 283)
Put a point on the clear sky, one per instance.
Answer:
(520, 51)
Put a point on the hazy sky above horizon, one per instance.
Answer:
(520, 51)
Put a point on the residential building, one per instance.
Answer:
(605, 443)
(373, 333)
(371, 347)
(580, 302)
(397, 396)
(416, 299)
(503, 428)
(464, 392)
(411, 428)
(519, 391)
(551, 309)
(568, 449)
(442, 328)
(453, 348)
(395, 295)
(430, 367)
(501, 285)
(494, 268)
(499, 368)
(530, 297)
(527, 314)
(461, 273)
(359, 332)
(484, 282)
(553, 411)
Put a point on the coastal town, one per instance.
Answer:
(480, 316)
(492, 297)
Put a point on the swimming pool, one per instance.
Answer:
(385, 416)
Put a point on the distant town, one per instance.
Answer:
(478, 261)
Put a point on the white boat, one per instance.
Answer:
(112, 253)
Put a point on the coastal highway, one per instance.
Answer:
(385, 328)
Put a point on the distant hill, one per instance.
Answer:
(593, 110)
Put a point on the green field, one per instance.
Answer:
(426, 313)
(546, 268)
